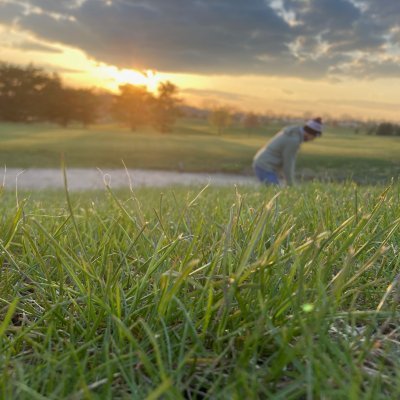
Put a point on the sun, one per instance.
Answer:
(118, 77)
(146, 78)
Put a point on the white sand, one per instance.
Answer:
(82, 179)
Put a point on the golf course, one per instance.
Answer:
(200, 292)
(199, 200)
(194, 146)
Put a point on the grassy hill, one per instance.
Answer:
(194, 146)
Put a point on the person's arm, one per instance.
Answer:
(289, 161)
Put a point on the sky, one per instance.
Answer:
(302, 57)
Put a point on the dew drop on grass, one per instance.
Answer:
(307, 307)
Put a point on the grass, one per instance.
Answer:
(191, 294)
(339, 155)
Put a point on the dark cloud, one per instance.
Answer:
(9, 12)
(30, 45)
(217, 36)
(227, 96)
(367, 68)
(328, 15)
(395, 37)
(339, 24)
(365, 36)
(192, 36)
(387, 11)
(55, 6)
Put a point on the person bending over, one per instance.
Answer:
(278, 157)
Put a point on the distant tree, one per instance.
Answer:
(21, 91)
(371, 128)
(65, 107)
(105, 102)
(49, 103)
(165, 108)
(132, 105)
(85, 106)
(29, 94)
(251, 121)
(385, 129)
(220, 117)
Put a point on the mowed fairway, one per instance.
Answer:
(190, 294)
(339, 154)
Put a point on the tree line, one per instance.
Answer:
(30, 94)
(137, 107)
(384, 129)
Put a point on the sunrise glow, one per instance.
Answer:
(117, 77)
(293, 64)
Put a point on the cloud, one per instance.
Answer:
(9, 12)
(219, 94)
(309, 39)
(30, 45)
(189, 36)
(328, 15)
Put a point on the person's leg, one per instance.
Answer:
(267, 177)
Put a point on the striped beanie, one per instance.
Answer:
(315, 126)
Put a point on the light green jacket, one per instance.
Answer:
(279, 154)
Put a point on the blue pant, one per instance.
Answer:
(267, 177)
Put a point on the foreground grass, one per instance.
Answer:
(191, 294)
(339, 154)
